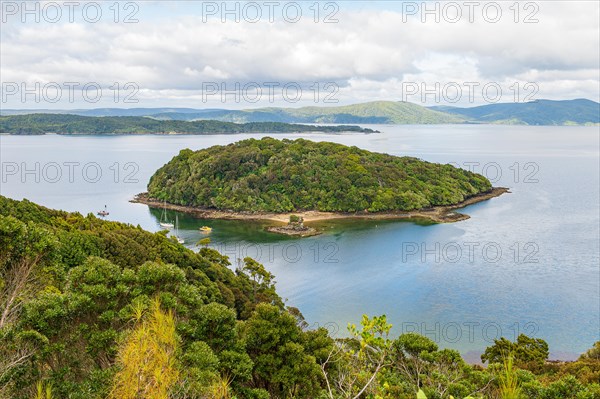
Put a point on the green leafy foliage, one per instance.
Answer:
(291, 175)
(95, 275)
(524, 350)
(102, 301)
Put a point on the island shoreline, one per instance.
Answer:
(311, 132)
(436, 214)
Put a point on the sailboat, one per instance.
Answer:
(163, 219)
(103, 213)
(179, 239)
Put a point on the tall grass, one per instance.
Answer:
(146, 359)
(43, 392)
(509, 383)
(220, 389)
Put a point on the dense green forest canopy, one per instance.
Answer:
(75, 124)
(94, 309)
(292, 175)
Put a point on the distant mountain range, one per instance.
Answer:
(539, 112)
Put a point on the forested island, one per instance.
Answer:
(36, 124)
(93, 309)
(270, 179)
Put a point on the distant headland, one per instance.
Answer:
(37, 124)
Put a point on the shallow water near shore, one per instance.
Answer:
(526, 262)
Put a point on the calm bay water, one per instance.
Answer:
(525, 262)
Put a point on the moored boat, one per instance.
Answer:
(179, 239)
(163, 219)
(103, 213)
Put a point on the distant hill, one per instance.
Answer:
(378, 112)
(384, 112)
(75, 124)
(540, 112)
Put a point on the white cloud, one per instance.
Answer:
(369, 53)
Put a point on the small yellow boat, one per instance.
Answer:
(205, 229)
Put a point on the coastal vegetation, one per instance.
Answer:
(94, 309)
(270, 175)
(74, 124)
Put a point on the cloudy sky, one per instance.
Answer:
(279, 53)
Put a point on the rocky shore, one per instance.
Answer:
(436, 214)
(295, 227)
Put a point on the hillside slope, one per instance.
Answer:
(540, 112)
(382, 112)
